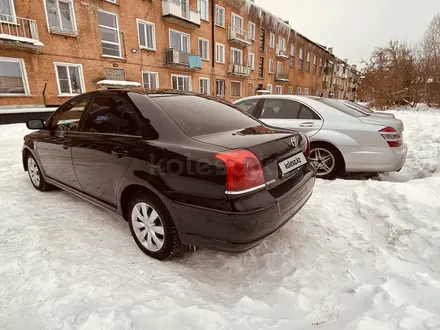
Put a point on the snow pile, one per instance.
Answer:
(22, 39)
(360, 255)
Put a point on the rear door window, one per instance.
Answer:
(280, 109)
(307, 113)
(199, 115)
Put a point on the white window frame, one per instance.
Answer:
(282, 42)
(269, 88)
(207, 49)
(301, 54)
(182, 76)
(13, 15)
(278, 89)
(300, 91)
(251, 61)
(308, 57)
(207, 9)
(23, 76)
(306, 91)
(272, 40)
(112, 1)
(223, 47)
(151, 73)
(241, 89)
(280, 64)
(140, 21)
(233, 20)
(292, 50)
(224, 87)
(81, 78)
(254, 29)
(208, 84)
(241, 55)
(111, 28)
(72, 10)
(270, 65)
(181, 33)
(223, 23)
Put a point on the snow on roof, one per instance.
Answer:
(270, 19)
(22, 39)
(119, 83)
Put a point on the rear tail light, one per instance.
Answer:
(243, 171)
(393, 138)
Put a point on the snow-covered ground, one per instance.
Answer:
(362, 254)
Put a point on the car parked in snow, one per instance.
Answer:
(182, 169)
(342, 137)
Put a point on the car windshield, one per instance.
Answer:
(341, 107)
(197, 115)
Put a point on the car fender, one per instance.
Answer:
(337, 138)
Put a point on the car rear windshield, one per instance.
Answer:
(197, 115)
(358, 106)
(341, 107)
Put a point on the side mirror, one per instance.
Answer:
(35, 124)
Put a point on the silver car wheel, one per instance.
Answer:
(147, 226)
(323, 160)
(34, 173)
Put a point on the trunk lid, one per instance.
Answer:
(271, 146)
(395, 123)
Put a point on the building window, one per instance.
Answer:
(272, 40)
(236, 56)
(250, 89)
(262, 39)
(179, 41)
(220, 88)
(261, 68)
(150, 80)
(7, 11)
(13, 80)
(269, 88)
(109, 28)
(314, 91)
(70, 79)
(306, 91)
(282, 45)
(181, 82)
(279, 89)
(147, 35)
(315, 64)
(280, 67)
(235, 89)
(298, 90)
(203, 7)
(219, 16)
(290, 90)
(251, 61)
(308, 63)
(204, 86)
(320, 65)
(292, 56)
(204, 49)
(301, 60)
(219, 53)
(60, 16)
(252, 31)
(270, 66)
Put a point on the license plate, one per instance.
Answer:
(292, 163)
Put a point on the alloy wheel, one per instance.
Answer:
(148, 226)
(34, 173)
(323, 160)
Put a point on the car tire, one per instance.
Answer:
(152, 226)
(327, 160)
(35, 174)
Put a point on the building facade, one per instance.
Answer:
(51, 50)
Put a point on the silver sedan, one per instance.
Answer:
(342, 138)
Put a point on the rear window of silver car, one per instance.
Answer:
(341, 107)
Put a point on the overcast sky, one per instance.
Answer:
(355, 27)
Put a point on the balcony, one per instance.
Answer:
(180, 13)
(281, 54)
(239, 70)
(325, 84)
(239, 36)
(18, 32)
(282, 76)
(180, 59)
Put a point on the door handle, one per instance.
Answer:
(306, 124)
(65, 146)
(118, 152)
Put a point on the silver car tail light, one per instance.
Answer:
(393, 138)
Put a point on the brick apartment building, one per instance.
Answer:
(51, 50)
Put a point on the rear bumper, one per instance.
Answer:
(375, 159)
(239, 232)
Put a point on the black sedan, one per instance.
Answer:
(181, 168)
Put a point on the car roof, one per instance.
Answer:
(279, 96)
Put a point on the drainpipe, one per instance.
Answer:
(213, 32)
(44, 95)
